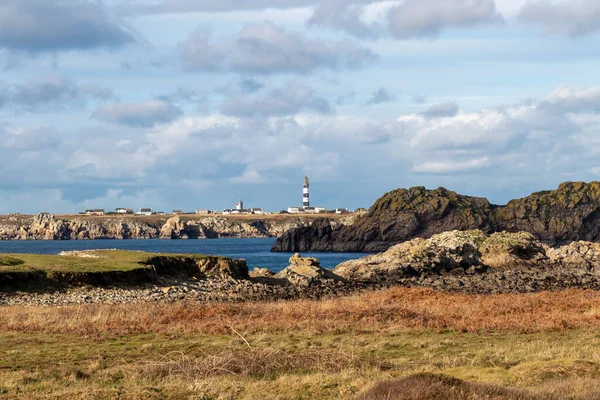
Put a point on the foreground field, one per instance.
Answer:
(546, 344)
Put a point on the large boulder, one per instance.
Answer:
(221, 267)
(454, 253)
(307, 272)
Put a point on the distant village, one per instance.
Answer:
(305, 208)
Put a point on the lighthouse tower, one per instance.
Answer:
(305, 197)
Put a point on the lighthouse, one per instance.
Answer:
(305, 196)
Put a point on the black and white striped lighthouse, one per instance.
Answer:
(305, 196)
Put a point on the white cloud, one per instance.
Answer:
(264, 48)
(448, 167)
(553, 138)
(288, 100)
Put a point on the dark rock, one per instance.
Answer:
(569, 213)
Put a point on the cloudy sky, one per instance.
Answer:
(197, 103)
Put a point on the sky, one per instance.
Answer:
(186, 104)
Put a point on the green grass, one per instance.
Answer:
(225, 366)
(111, 260)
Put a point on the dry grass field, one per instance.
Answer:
(398, 343)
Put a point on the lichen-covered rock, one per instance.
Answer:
(306, 272)
(569, 213)
(505, 250)
(462, 253)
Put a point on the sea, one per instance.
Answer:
(255, 251)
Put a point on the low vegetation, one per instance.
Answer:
(100, 261)
(398, 343)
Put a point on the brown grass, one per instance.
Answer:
(389, 310)
(254, 363)
(528, 347)
(440, 387)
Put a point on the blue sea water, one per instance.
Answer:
(255, 251)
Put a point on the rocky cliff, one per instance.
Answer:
(46, 226)
(569, 213)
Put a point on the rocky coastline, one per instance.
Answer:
(45, 226)
(470, 262)
(210, 279)
(569, 213)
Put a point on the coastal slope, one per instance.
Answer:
(569, 213)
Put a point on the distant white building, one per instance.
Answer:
(239, 206)
(144, 211)
(258, 211)
(342, 211)
(203, 212)
(123, 211)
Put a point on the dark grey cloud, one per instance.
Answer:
(36, 26)
(346, 16)
(571, 18)
(180, 95)
(347, 98)
(442, 110)
(264, 48)
(381, 95)
(143, 114)
(419, 99)
(50, 94)
(243, 85)
(428, 18)
(289, 100)
(250, 85)
(185, 6)
(421, 19)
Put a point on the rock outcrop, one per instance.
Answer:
(221, 267)
(47, 226)
(307, 272)
(471, 261)
(569, 213)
